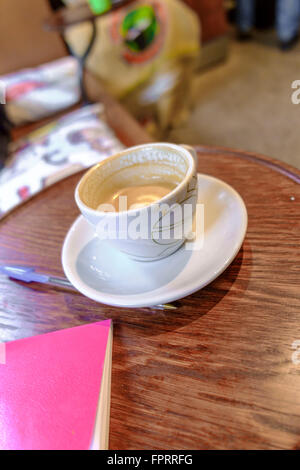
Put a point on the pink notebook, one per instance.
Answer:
(55, 389)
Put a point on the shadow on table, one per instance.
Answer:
(129, 323)
(148, 322)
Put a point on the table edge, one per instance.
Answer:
(284, 168)
(280, 167)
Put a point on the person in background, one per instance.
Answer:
(287, 21)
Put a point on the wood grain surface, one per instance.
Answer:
(218, 372)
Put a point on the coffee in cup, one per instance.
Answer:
(140, 199)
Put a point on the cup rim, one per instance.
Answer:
(177, 189)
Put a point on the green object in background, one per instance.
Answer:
(139, 28)
(99, 6)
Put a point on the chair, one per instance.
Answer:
(25, 43)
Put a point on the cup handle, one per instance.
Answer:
(192, 152)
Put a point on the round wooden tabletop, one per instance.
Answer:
(222, 371)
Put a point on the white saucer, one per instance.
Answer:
(110, 277)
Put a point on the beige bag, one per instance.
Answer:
(153, 82)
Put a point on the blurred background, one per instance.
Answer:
(215, 72)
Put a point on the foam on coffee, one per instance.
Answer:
(144, 176)
(136, 196)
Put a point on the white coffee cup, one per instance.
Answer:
(156, 230)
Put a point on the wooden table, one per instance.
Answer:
(218, 372)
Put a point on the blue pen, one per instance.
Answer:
(28, 274)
